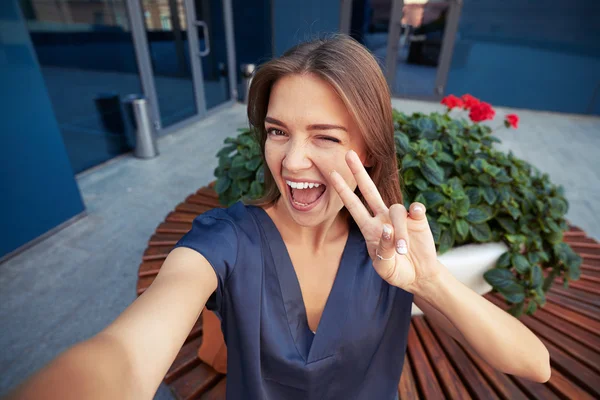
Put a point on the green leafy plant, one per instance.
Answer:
(473, 194)
(240, 172)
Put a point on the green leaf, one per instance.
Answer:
(481, 232)
(514, 294)
(421, 184)
(540, 296)
(479, 214)
(436, 229)
(431, 199)
(222, 185)
(256, 190)
(253, 164)
(462, 228)
(536, 278)
(402, 141)
(240, 172)
(508, 224)
(462, 207)
(504, 260)
(409, 161)
(260, 174)
(444, 219)
(531, 307)
(474, 194)
(446, 240)
(489, 194)
(520, 263)
(225, 151)
(432, 171)
(238, 161)
(517, 309)
(499, 278)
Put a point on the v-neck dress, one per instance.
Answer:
(358, 349)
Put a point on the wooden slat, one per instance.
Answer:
(504, 386)
(208, 191)
(569, 329)
(573, 234)
(573, 369)
(164, 239)
(579, 295)
(587, 255)
(406, 387)
(216, 393)
(535, 390)
(196, 382)
(589, 287)
(150, 268)
(186, 360)
(426, 380)
(143, 284)
(566, 388)
(203, 200)
(575, 305)
(448, 378)
(174, 227)
(584, 245)
(474, 381)
(196, 331)
(180, 217)
(580, 320)
(587, 267)
(582, 353)
(156, 253)
(191, 208)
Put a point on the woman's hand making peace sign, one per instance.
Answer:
(410, 267)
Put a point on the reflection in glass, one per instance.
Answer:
(419, 45)
(86, 56)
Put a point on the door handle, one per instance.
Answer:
(206, 51)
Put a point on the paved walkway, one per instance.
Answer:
(68, 287)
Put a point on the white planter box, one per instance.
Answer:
(468, 263)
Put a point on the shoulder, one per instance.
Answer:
(238, 216)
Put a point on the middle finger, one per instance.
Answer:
(365, 183)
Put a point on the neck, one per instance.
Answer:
(315, 237)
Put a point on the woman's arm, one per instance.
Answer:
(498, 337)
(130, 357)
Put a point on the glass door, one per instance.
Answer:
(212, 45)
(167, 37)
(412, 39)
(189, 49)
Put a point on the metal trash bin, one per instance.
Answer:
(247, 72)
(143, 133)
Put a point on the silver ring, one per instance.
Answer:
(384, 259)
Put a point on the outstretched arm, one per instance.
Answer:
(130, 357)
(498, 337)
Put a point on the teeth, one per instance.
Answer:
(302, 185)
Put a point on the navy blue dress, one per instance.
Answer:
(359, 347)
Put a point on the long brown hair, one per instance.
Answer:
(357, 78)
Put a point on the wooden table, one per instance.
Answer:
(436, 366)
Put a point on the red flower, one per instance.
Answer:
(511, 120)
(481, 111)
(469, 101)
(452, 101)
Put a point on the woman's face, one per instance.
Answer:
(309, 131)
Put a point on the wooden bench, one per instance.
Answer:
(436, 366)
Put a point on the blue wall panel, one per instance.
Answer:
(297, 21)
(39, 190)
(529, 54)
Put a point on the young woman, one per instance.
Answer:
(315, 281)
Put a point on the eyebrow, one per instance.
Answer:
(312, 127)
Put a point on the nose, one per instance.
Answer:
(297, 157)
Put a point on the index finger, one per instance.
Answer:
(355, 207)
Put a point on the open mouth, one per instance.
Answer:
(304, 195)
